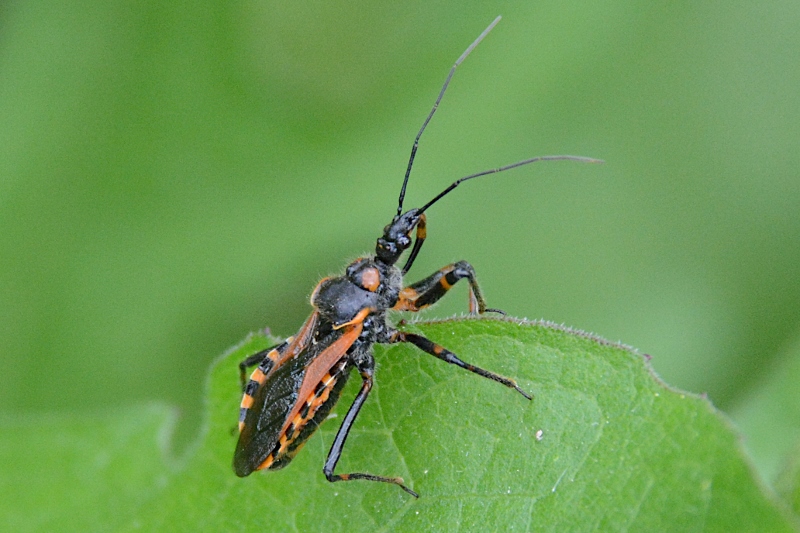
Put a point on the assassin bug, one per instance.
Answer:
(298, 382)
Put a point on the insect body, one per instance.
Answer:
(298, 382)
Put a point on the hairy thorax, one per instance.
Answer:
(369, 287)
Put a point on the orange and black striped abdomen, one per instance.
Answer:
(258, 378)
(289, 401)
(314, 411)
(261, 422)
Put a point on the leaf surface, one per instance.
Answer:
(603, 446)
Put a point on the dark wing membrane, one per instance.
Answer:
(272, 403)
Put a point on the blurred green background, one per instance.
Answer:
(175, 175)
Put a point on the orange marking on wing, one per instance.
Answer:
(359, 318)
(241, 426)
(321, 365)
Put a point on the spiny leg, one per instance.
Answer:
(367, 372)
(428, 291)
(428, 346)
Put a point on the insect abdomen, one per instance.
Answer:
(263, 413)
(257, 379)
(315, 409)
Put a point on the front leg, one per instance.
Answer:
(426, 292)
(436, 350)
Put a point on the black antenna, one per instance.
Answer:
(508, 167)
(435, 106)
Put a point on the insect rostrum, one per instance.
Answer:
(298, 382)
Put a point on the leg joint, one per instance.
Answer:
(464, 269)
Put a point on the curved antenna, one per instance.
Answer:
(508, 167)
(435, 106)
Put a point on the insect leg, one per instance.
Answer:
(428, 346)
(428, 291)
(421, 234)
(367, 370)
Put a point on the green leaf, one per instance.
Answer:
(81, 473)
(603, 446)
(770, 414)
(770, 417)
(788, 483)
(617, 449)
